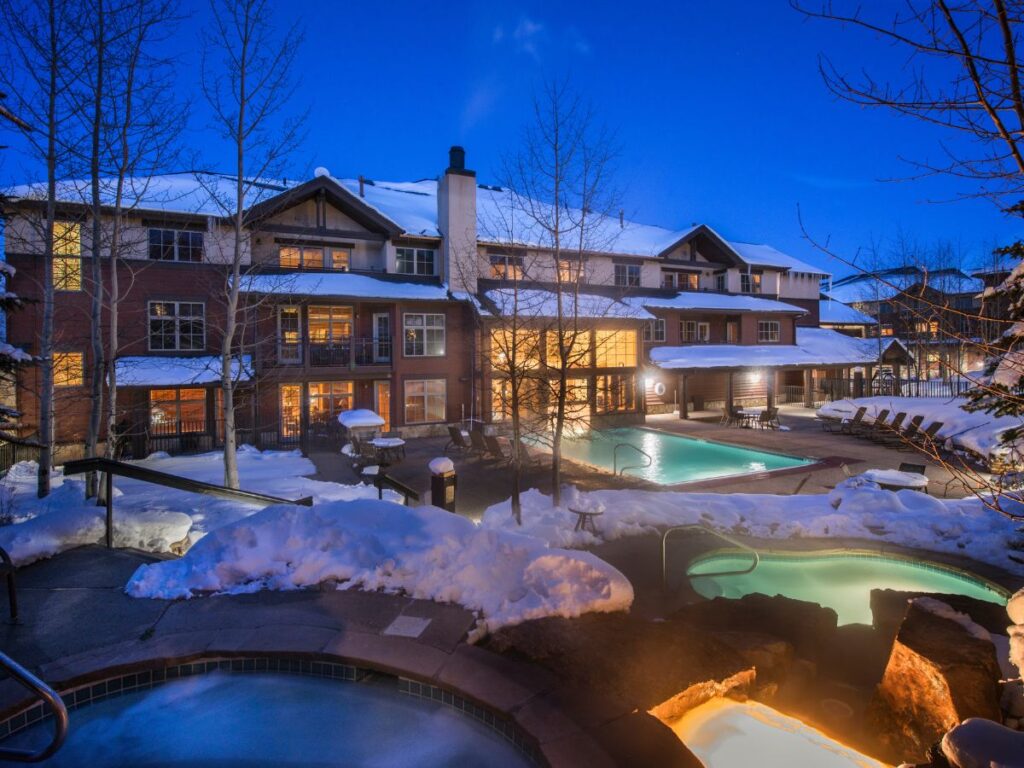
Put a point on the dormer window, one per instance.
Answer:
(414, 261)
(627, 275)
(175, 245)
(314, 257)
(506, 266)
(750, 282)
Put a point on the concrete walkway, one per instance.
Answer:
(78, 627)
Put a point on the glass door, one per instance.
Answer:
(382, 402)
(381, 337)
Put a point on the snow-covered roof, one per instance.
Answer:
(883, 285)
(342, 285)
(360, 417)
(831, 311)
(162, 371)
(708, 300)
(814, 346)
(538, 303)
(767, 256)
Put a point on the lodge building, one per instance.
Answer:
(389, 296)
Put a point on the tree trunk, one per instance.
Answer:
(96, 299)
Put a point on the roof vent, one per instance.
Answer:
(320, 172)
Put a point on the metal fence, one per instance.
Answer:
(829, 389)
(12, 453)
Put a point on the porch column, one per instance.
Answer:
(858, 384)
(769, 383)
(728, 395)
(304, 420)
(684, 411)
(808, 388)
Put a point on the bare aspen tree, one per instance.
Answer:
(41, 37)
(563, 193)
(247, 80)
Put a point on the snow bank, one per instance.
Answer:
(425, 552)
(977, 432)
(980, 743)
(152, 517)
(944, 611)
(855, 509)
(360, 417)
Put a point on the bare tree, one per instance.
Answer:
(41, 37)
(562, 192)
(247, 84)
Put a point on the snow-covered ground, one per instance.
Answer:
(855, 509)
(424, 552)
(151, 517)
(976, 432)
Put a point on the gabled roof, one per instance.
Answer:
(837, 313)
(708, 300)
(337, 194)
(882, 285)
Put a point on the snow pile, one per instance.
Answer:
(977, 432)
(855, 509)
(360, 417)
(424, 552)
(981, 743)
(940, 609)
(152, 517)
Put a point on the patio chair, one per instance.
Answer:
(880, 430)
(867, 428)
(457, 440)
(915, 469)
(395, 433)
(901, 437)
(829, 423)
(477, 444)
(494, 449)
(736, 417)
(848, 427)
(769, 418)
(364, 451)
(926, 439)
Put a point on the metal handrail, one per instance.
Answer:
(48, 695)
(615, 459)
(382, 480)
(713, 532)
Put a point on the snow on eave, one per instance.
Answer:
(343, 285)
(713, 301)
(540, 304)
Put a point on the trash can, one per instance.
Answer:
(442, 483)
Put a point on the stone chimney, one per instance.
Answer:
(456, 219)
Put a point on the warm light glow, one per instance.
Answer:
(730, 734)
(754, 377)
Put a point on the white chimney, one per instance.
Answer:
(456, 219)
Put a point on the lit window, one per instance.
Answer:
(616, 392)
(175, 245)
(750, 282)
(329, 398)
(414, 261)
(177, 326)
(289, 335)
(177, 411)
(694, 332)
(313, 257)
(627, 275)
(68, 369)
(329, 325)
(67, 256)
(424, 335)
(520, 350)
(506, 266)
(291, 410)
(768, 331)
(654, 330)
(615, 349)
(689, 281)
(577, 349)
(887, 330)
(570, 271)
(426, 401)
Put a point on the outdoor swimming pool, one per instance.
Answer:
(842, 581)
(265, 720)
(674, 458)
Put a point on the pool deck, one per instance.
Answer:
(483, 483)
(77, 627)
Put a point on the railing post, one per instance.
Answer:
(108, 480)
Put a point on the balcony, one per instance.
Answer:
(345, 352)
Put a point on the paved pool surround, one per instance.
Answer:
(78, 629)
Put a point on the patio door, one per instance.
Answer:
(381, 337)
(382, 402)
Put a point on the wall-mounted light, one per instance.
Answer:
(754, 377)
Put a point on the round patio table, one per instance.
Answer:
(390, 447)
(894, 480)
(750, 416)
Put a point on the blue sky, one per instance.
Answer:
(719, 109)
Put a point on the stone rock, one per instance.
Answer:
(641, 662)
(1012, 700)
(889, 606)
(938, 675)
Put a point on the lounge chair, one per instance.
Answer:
(902, 437)
(457, 440)
(880, 430)
(866, 429)
(916, 469)
(477, 443)
(926, 439)
(848, 427)
(494, 449)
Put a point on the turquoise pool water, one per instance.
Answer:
(840, 581)
(675, 459)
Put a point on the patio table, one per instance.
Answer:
(750, 416)
(390, 447)
(585, 519)
(894, 480)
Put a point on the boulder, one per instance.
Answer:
(889, 606)
(939, 673)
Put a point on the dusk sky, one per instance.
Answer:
(720, 111)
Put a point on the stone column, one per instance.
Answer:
(808, 388)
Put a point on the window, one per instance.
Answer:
(175, 245)
(327, 399)
(524, 346)
(68, 369)
(177, 411)
(414, 261)
(501, 398)
(577, 354)
(654, 330)
(615, 392)
(289, 335)
(571, 271)
(426, 401)
(313, 257)
(750, 282)
(177, 326)
(627, 275)
(329, 325)
(67, 256)
(616, 349)
(689, 281)
(768, 331)
(928, 326)
(668, 280)
(424, 335)
(506, 267)
(577, 400)
(694, 332)
(721, 284)
(887, 330)
(291, 410)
